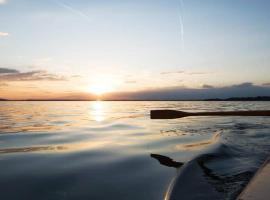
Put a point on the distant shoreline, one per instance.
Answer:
(258, 98)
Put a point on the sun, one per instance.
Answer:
(99, 89)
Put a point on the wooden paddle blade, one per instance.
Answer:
(173, 114)
(167, 114)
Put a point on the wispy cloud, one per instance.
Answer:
(181, 20)
(73, 10)
(7, 74)
(183, 72)
(76, 76)
(197, 73)
(3, 34)
(172, 72)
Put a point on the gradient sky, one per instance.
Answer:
(57, 48)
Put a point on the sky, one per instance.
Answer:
(130, 49)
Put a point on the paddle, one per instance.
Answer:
(173, 114)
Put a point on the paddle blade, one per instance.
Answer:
(167, 114)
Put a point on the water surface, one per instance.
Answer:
(112, 150)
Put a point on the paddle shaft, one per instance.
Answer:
(173, 114)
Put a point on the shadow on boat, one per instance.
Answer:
(166, 161)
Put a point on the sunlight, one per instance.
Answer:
(99, 89)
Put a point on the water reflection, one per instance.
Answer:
(64, 148)
(97, 111)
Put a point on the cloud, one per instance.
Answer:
(3, 34)
(197, 73)
(244, 85)
(73, 10)
(38, 75)
(183, 72)
(173, 72)
(7, 70)
(182, 93)
(205, 86)
(76, 76)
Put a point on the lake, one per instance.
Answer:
(113, 150)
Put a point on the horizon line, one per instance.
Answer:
(253, 98)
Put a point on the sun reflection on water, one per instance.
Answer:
(97, 111)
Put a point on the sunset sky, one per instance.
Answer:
(130, 48)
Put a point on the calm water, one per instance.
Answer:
(112, 150)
